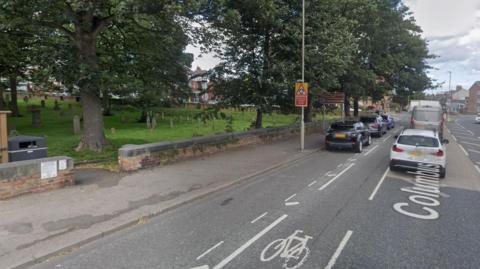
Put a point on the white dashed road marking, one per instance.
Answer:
(259, 217)
(209, 250)
(337, 253)
(292, 203)
(368, 152)
(379, 184)
(293, 195)
(337, 176)
(463, 149)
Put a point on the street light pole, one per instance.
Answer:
(450, 93)
(302, 123)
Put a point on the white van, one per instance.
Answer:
(428, 118)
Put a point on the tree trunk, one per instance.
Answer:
(259, 120)
(347, 105)
(13, 96)
(355, 106)
(2, 100)
(93, 137)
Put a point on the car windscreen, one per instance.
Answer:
(341, 127)
(368, 119)
(418, 140)
(427, 115)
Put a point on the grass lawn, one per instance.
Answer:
(123, 128)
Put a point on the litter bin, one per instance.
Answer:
(24, 147)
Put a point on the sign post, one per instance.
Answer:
(4, 136)
(301, 100)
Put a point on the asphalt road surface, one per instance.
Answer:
(328, 210)
(467, 133)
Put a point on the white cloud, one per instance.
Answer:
(453, 31)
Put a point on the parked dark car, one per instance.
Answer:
(374, 125)
(347, 134)
(389, 121)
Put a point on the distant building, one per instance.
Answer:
(460, 94)
(199, 82)
(473, 101)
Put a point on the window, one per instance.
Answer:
(418, 140)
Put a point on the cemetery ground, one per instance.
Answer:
(123, 126)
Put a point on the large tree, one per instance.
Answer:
(82, 30)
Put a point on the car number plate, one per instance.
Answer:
(340, 136)
(415, 153)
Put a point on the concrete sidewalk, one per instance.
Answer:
(36, 226)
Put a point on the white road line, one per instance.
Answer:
(467, 137)
(454, 138)
(378, 185)
(368, 152)
(337, 253)
(293, 195)
(259, 217)
(470, 143)
(463, 149)
(209, 250)
(478, 168)
(249, 242)
(337, 176)
(387, 138)
(472, 150)
(312, 183)
(291, 203)
(461, 133)
(340, 165)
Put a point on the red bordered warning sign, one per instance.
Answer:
(301, 94)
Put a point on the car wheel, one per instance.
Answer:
(380, 132)
(359, 147)
(443, 172)
(327, 147)
(369, 140)
(392, 167)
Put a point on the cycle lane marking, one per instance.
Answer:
(291, 203)
(371, 150)
(249, 242)
(259, 217)
(293, 248)
(312, 183)
(339, 250)
(337, 176)
(209, 250)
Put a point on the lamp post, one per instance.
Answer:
(450, 93)
(302, 123)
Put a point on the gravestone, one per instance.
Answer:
(56, 106)
(154, 123)
(171, 123)
(36, 117)
(149, 123)
(113, 131)
(76, 125)
(163, 116)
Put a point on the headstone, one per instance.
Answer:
(154, 123)
(171, 123)
(36, 117)
(56, 106)
(76, 125)
(42, 103)
(163, 116)
(113, 131)
(149, 123)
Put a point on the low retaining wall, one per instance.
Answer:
(38, 175)
(134, 157)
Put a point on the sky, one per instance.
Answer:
(452, 30)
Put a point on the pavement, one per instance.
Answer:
(325, 210)
(39, 226)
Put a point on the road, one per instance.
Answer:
(327, 210)
(466, 132)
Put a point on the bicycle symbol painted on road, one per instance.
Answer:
(293, 249)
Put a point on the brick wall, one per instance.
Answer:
(38, 175)
(134, 157)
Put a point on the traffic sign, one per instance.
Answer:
(332, 98)
(301, 94)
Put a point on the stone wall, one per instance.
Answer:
(134, 157)
(38, 175)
